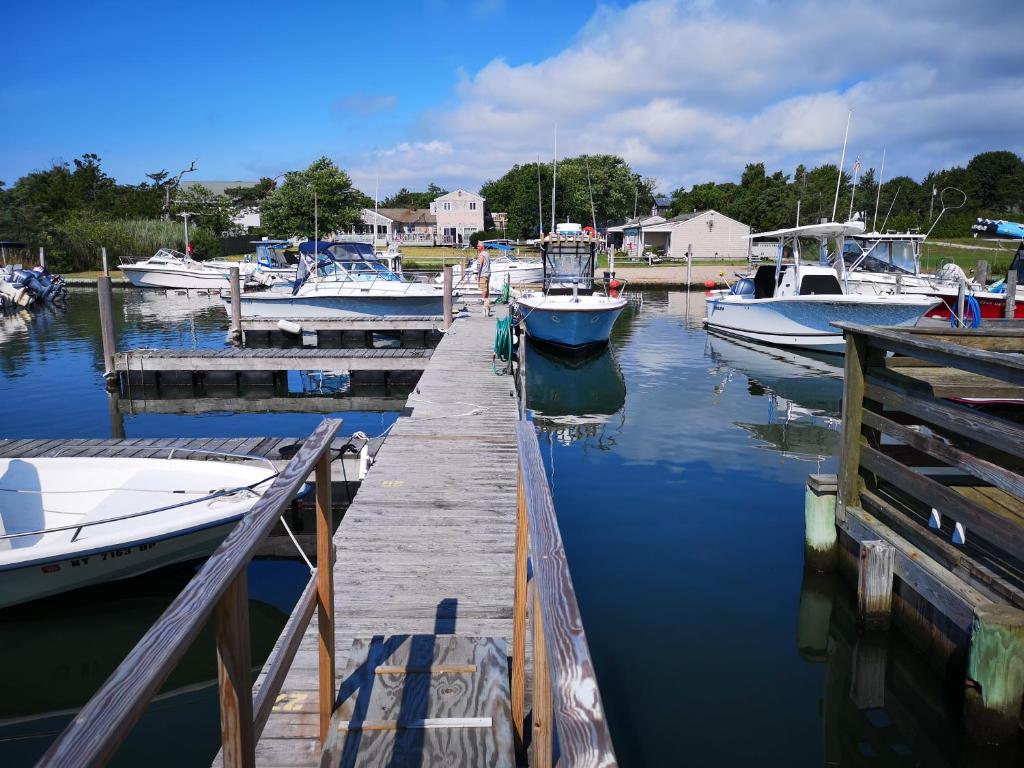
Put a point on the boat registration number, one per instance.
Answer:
(111, 554)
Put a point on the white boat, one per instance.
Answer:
(70, 522)
(346, 283)
(504, 269)
(794, 304)
(168, 268)
(569, 312)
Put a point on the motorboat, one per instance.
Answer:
(343, 281)
(879, 264)
(569, 311)
(168, 268)
(506, 268)
(793, 304)
(273, 264)
(69, 522)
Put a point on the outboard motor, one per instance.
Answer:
(27, 278)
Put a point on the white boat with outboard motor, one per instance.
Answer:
(342, 281)
(506, 268)
(569, 311)
(793, 304)
(168, 268)
(70, 522)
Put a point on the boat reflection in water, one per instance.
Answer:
(574, 397)
(803, 391)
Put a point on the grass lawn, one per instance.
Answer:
(967, 252)
(93, 274)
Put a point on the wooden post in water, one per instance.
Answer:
(42, 257)
(874, 584)
(821, 543)
(542, 714)
(848, 491)
(519, 619)
(689, 263)
(961, 300)
(234, 675)
(106, 267)
(325, 591)
(447, 298)
(236, 304)
(981, 272)
(995, 674)
(106, 302)
(1010, 306)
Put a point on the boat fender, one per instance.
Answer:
(709, 283)
(614, 286)
(289, 327)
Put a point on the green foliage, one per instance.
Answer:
(490, 234)
(205, 244)
(288, 210)
(616, 187)
(250, 197)
(404, 198)
(76, 241)
(209, 211)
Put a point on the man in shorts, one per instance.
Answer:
(483, 271)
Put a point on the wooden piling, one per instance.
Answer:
(995, 674)
(961, 300)
(42, 257)
(106, 266)
(820, 538)
(325, 592)
(236, 304)
(981, 272)
(106, 304)
(448, 315)
(853, 411)
(874, 584)
(1010, 306)
(234, 675)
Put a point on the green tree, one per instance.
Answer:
(405, 198)
(288, 210)
(211, 212)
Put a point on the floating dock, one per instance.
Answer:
(194, 360)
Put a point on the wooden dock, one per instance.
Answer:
(926, 515)
(228, 359)
(379, 324)
(425, 553)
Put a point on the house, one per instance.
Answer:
(459, 214)
(712, 235)
(662, 203)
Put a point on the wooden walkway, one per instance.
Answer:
(426, 550)
(226, 359)
(387, 323)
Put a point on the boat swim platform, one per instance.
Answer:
(241, 360)
(424, 585)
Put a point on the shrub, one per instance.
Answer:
(490, 234)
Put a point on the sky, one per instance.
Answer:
(457, 91)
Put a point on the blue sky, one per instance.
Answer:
(455, 92)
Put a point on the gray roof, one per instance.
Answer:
(686, 216)
(409, 215)
(217, 187)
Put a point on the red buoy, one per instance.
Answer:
(614, 286)
(709, 283)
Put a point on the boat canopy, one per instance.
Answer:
(826, 229)
(314, 246)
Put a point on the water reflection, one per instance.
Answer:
(575, 397)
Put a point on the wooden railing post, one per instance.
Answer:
(234, 675)
(519, 620)
(853, 409)
(542, 714)
(447, 305)
(325, 589)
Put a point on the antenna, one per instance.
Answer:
(554, 179)
(590, 189)
(842, 162)
(878, 194)
(540, 205)
(316, 229)
(856, 173)
(891, 205)
(376, 189)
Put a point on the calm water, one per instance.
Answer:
(677, 464)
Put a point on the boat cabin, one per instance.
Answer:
(568, 263)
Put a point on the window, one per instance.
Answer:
(472, 206)
(447, 206)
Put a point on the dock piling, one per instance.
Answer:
(820, 539)
(1010, 306)
(106, 266)
(106, 304)
(981, 272)
(874, 584)
(995, 674)
(42, 257)
(448, 298)
(236, 304)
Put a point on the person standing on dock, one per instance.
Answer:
(483, 272)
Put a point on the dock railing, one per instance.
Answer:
(566, 698)
(220, 589)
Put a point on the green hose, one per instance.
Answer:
(505, 295)
(502, 345)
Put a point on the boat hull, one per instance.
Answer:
(38, 580)
(169, 278)
(277, 304)
(805, 321)
(567, 325)
(993, 305)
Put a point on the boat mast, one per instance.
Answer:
(853, 194)
(842, 162)
(878, 194)
(540, 204)
(554, 179)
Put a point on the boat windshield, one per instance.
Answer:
(568, 261)
(881, 255)
(167, 256)
(356, 270)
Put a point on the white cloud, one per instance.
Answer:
(693, 91)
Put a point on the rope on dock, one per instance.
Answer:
(502, 346)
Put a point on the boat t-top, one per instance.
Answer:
(791, 303)
(342, 280)
(568, 311)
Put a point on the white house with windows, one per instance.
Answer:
(459, 214)
(711, 234)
